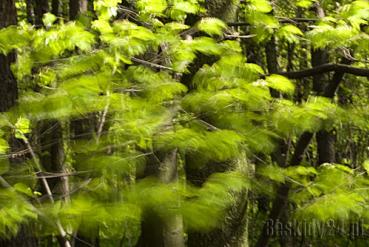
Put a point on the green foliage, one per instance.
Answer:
(15, 210)
(219, 145)
(280, 83)
(211, 26)
(290, 33)
(120, 91)
(314, 112)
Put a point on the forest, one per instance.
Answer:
(184, 123)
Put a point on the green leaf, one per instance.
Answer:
(3, 146)
(152, 6)
(366, 166)
(211, 26)
(289, 33)
(263, 6)
(22, 127)
(20, 187)
(280, 83)
(48, 19)
(305, 3)
(273, 172)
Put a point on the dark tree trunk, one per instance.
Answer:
(326, 147)
(41, 7)
(52, 155)
(8, 83)
(76, 8)
(29, 10)
(319, 57)
(271, 56)
(8, 97)
(325, 139)
(280, 153)
(24, 238)
(55, 4)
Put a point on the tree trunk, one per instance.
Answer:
(29, 10)
(8, 97)
(8, 83)
(165, 231)
(55, 7)
(41, 7)
(223, 9)
(76, 8)
(326, 147)
(325, 139)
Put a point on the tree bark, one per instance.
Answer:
(325, 139)
(76, 8)
(326, 68)
(165, 231)
(8, 97)
(8, 83)
(41, 7)
(55, 4)
(29, 10)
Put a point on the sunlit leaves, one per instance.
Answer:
(3, 143)
(340, 205)
(215, 195)
(178, 9)
(48, 19)
(287, 116)
(304, 3)
(152, 6)
(111, 165)
(211, 26)
(325, 35)
(13, 38)
(262, 6)
(257, 13)
(22, 127)
(126, 80)
(89, 212)
(334, 194)
(290, 33)
(274, 173)
(14, 211)
(366, 166)
(218, 145)
(280, 83)
(229, 71)
(106, 8)
(193, 203)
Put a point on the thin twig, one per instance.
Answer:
(235, 36)
(62, 232)
(103, 118)
(153, 65)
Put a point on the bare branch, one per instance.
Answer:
(325, 68)
(153, 65)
